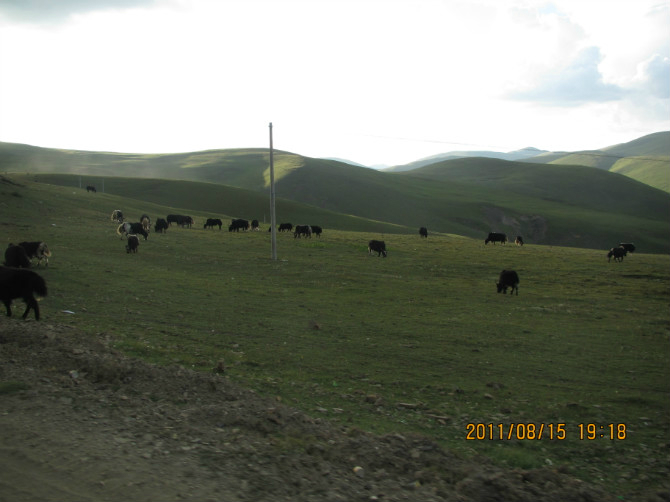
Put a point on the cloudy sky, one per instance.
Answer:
(371, 81)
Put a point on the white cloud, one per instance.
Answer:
(370, 80)
(577, 83)
(56, 11)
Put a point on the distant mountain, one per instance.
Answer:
(515, 155)
(646, 159)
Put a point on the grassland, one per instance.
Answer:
(560, 205)
(417, 342)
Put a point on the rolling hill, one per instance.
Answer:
(524, 153)
(547, 204)
(646, 159)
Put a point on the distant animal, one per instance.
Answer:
(117, 216)
(423, 232)
(20, 283)
(179, 219)
(316, 230)
(133, 243)
(301, 230)
(37, 249)
(378, 247)
(508, 279)
(146, 222)
(16, 256)
(617, 253)
(254, 225)
(628, 246)
(286, 227)
(212, 222)
(132, 228)
(91, 188)
(161, 225)
(518, 241)
(496, 237)
(237, 224)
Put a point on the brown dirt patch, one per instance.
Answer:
(82, 422)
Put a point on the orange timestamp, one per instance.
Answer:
(558, 431)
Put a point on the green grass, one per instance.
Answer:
(547, 204)
(418, 342)
(651, 171)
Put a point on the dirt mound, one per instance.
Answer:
(82, 422)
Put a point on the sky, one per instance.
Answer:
(378, 82)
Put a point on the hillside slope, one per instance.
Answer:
(646, 159)
(557, 205)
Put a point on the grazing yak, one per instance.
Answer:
(146, 222)
(286, 227)
(423, 232)
(179, 219)
(132, 228)
(117, 216)
(16, 256)
(508, 279)
(628, 246)
(37, 249)
(237, 224)
(20, 283)
(133, 243)
(316, 230)
(301, 230)
(91, 188)
(161, 225)
(213, 222)
(617, 254)
(518, 241)
(378, 247)
(496, 237)
(255, 225)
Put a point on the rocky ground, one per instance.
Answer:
(79, 421)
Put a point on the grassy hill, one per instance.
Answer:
(415, 343)
(205, 200)
(558, 205)
(646, 159)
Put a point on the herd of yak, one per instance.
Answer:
(18, 281)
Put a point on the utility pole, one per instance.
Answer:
(273, 216)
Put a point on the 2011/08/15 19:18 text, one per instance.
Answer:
(558, 431)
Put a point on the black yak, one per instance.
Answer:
(133, 243)
(213, 222)
(377, 246)
(496, 237)
(16, 256)
(508, 279)
(20, 283)
(161, 225)
(301, 230)
(617, 254)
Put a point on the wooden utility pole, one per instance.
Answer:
(273, 216)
